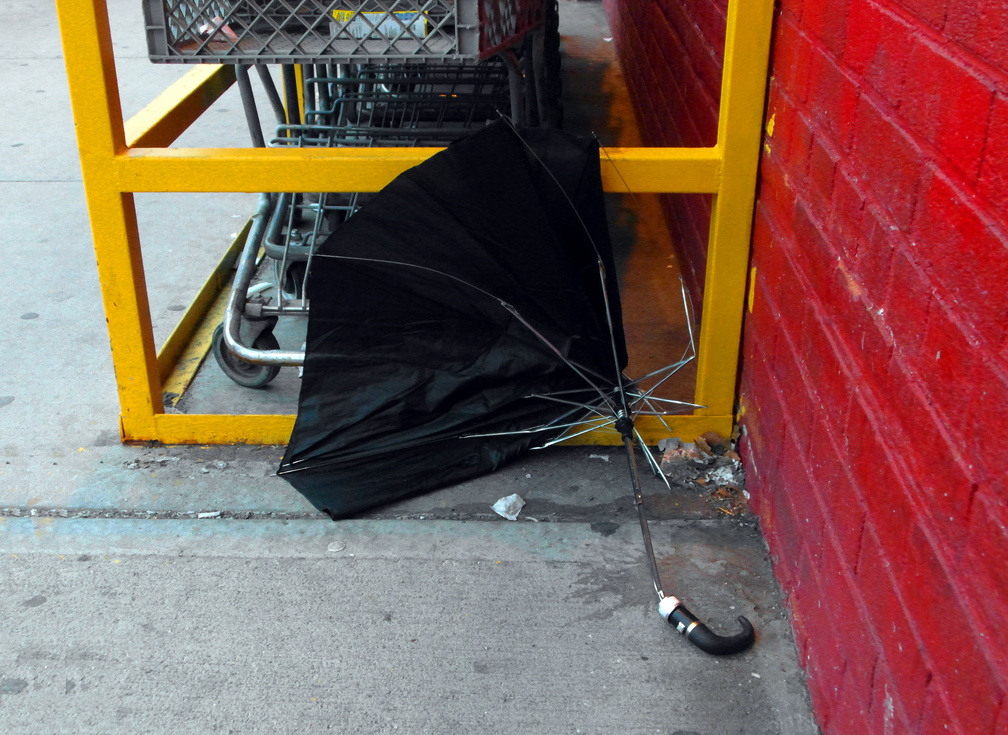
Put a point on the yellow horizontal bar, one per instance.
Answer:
(162, 121)
(177, 428)
(668, 170)
(653, 430)
(661, 170)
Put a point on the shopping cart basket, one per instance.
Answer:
(383, 105)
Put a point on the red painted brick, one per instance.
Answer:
(982, 564)
(846, 221)
(823, 161)
(705, 62)
(872, 263)
(1001, 728)
(792, 51)
(942, 480)
(993, 181)
(827, 21)
(965, 252)
(789, 534)
(828, 375)
(797, 138)
(826, 661)
(908, 673)
(989, 386)
(833, 99)
(878, 48)
(865, 347)
(816, 260)
(905, 307)
(964, 675)
(767, 415)
(887, 714)
(936, 718)
(890, 162)
(846, 508)
(893, 503)
(932, 12)
(859, 644)
(948, 106)
(763, 315)
(949, 359)
(982, 28)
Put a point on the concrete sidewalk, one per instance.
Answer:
(125, 612)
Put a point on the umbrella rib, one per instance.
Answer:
(520, 432)
(655, 467)
(624, 409)
(670, 369)
(648, 399)
(573, 366)
(591, 408)
(582, 372)
(598, 424)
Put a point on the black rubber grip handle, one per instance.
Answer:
(707, 640)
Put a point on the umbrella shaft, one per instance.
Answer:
(639, 502)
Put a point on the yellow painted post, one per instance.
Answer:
(94, 97)
(743, 88)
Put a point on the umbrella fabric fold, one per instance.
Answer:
(448, 307)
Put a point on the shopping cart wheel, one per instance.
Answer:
(242, 372)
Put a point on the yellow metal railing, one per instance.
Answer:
(121, 158)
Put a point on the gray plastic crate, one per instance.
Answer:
(305, 31)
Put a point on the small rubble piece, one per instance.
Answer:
(603, 457)
(509, 507)
(711, 462)
(676, 450)
(726, 475)
(209, 514)
(681, 461)
(150, 462)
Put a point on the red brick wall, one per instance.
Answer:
(875, 363)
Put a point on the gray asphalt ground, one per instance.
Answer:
(123, 611)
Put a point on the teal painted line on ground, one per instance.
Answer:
(310, 538)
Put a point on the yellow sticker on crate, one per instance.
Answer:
(374, 24)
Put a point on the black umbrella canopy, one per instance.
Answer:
(456, 320)
(468, 313)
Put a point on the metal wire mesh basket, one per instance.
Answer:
(303, 31)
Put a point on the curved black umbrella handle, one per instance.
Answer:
(700, 635)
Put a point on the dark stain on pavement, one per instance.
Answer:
(606, 528)
(12, 686)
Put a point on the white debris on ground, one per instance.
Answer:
(509, 507)
(603, 457)
(710, 462)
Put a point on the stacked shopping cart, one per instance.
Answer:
(355, 73)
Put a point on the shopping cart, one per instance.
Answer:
(379, 73)
(372, 105)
